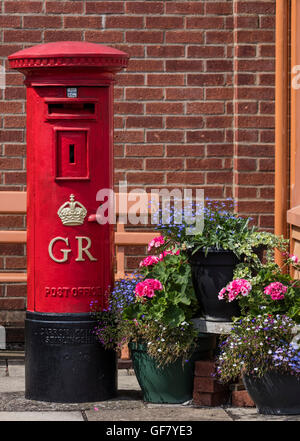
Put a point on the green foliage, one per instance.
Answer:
(254, 347)
(260, 276)
(176, 303)
(223, 229)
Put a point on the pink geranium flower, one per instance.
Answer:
(156, 242)
(276, 290)
(238, 287)
(147, 288)
(150, 260)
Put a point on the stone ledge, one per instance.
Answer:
(212, 327)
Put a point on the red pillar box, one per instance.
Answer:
(69, 159)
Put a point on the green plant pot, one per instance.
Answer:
(171, 384)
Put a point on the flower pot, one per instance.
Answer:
(210, 274)
(274, 393)
(171, 384)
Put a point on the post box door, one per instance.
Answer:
(71, 160)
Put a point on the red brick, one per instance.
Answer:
(164, 136)
(219, 93)
(16, 290)
(207, 384)
(219, 150)
(128, 164)
(246, 192)
(241, 398)
(170, 79)
(15, 122)
(144, 94)
(219, 177)
(11, 249)
(64, 7)
(184, 65)
(266, 50)
(149, 7)
(165, 22)
(10, 21)
(144, 150)
(205, 79)
(185, 150)
(15, 150)
(11, 221)
(147, 65)
(210, 399)
(103, 7)
(22, 35)
(256, 65)
(144, 121)
(164, 108)
(219, 65)
(267, 164)
(39, 21)
(189, 7)
(62, 35)
(205, 108)
(82, 22)
(213, 122)
(205, 22)
(164, 164)
(15, 93)
(218, 8)
(12, 304)
(15, 178)
(127, 108)
(206, 51)
(187, 178)
(184, 93)
(184, 122)
(249, 21)
(11, 136)
(129, 136)
(15, 262)
(246, 164)
(23, 6)
(247, 107)
(220, 37)
(10, 163)
(254, 179)
(163, 51)
(184, 37)
(10, 107)
(255, 7)
(144, 37)
(245, 51)
(145, 178)
(205, 136)
(124, 22)
(256, 121)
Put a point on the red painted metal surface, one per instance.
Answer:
(69, 158)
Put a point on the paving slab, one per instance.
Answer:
(41, 416)
(161, 413)
(251, 414)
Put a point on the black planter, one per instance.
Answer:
(210, 274)
(274, 393)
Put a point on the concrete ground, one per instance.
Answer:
(128, 406)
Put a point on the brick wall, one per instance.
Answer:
(194, 108)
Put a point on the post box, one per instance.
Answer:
(69, 255)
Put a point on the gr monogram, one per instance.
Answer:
(83, 245)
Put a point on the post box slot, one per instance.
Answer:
(71, 108)
(72, 153)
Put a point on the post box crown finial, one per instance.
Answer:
(72, 212)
